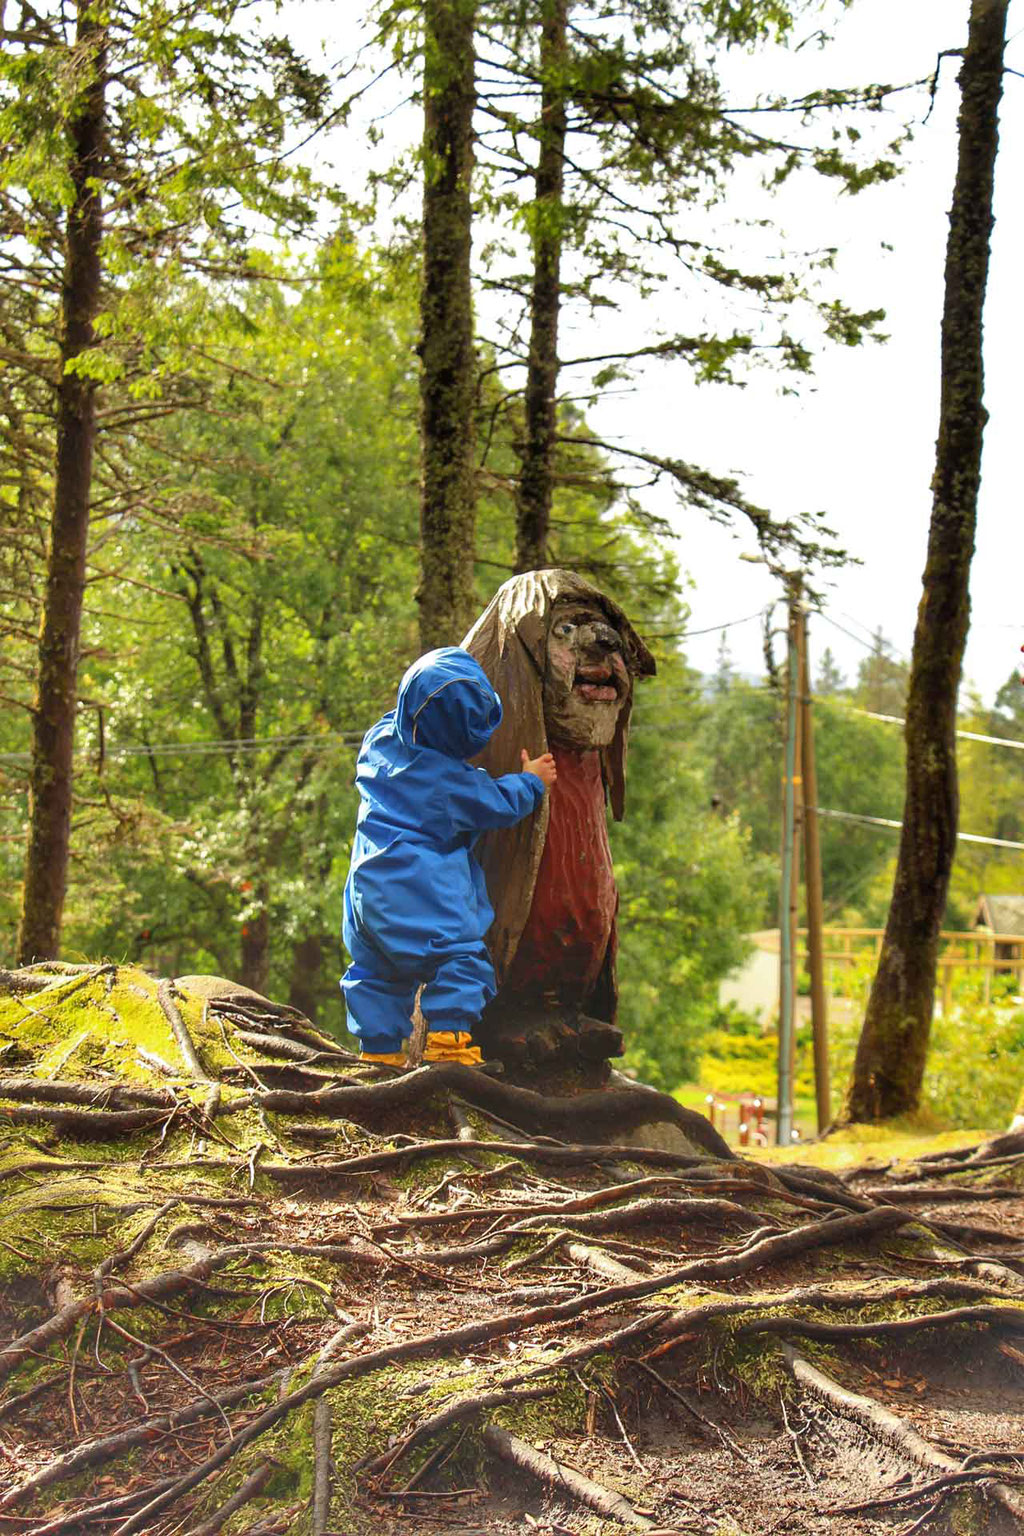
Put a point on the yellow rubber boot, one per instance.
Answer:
(385, 1058)
(448, 1045)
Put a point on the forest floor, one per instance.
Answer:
(247, 1285)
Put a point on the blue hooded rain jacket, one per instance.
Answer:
(416, 908)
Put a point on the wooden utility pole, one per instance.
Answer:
(812, 879)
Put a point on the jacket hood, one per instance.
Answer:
(446, 702)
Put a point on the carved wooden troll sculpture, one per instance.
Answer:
(563, 658)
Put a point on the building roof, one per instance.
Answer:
(1003, 914)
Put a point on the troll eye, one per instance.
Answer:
(564, 628)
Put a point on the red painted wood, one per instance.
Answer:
(572, 917)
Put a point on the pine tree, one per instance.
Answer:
(893, 1045)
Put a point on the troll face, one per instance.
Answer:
(586, 678)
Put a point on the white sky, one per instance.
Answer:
(857, 444)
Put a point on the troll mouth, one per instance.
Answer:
(598, 685)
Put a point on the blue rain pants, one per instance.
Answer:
(416, 907)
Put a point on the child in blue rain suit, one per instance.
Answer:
(416, 908)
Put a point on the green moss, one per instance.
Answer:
(102, 1022)
(755, 1360)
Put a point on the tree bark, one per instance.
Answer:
(533, 499)
(891, 1053)
(51, 774)
(307, 962)
(255, 945)
(447, 376)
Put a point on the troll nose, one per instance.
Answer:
(605, 638)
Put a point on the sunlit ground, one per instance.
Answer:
(903, 1139)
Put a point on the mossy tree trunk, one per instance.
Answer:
(890, 1059)
(533, 500)
(448, 373)
(51, 776)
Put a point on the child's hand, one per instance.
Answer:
(543, 767)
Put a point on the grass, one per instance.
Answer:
(904, 1140)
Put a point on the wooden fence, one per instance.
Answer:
(977, 951)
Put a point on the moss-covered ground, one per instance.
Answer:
(188, 1305)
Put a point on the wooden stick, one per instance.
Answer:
(321, 1504)
(601, 1263)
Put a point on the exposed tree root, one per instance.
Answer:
(603, 1114)
(179, 1029)
(93, 1453)
(218, 1328)
(88, 1124)
(888, 1426)
(253, 1486)
(564, 1479)
(925, 1194)
(94, 1095)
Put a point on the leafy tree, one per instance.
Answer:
(859, 769)
(891, 1053)
(830, 680)
(689, 883)
(125, 129)
(285, 615)
(991, 782)
(617, 132)
(882, 679)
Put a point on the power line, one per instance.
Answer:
(896, 826)
(712, 629)
(991, 741)
(227, 747)
(857, 639)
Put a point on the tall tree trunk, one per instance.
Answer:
(891, 1053)
(255, 946)
(50, 782)
(447, 376)
(307, 963)
(533, 500)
